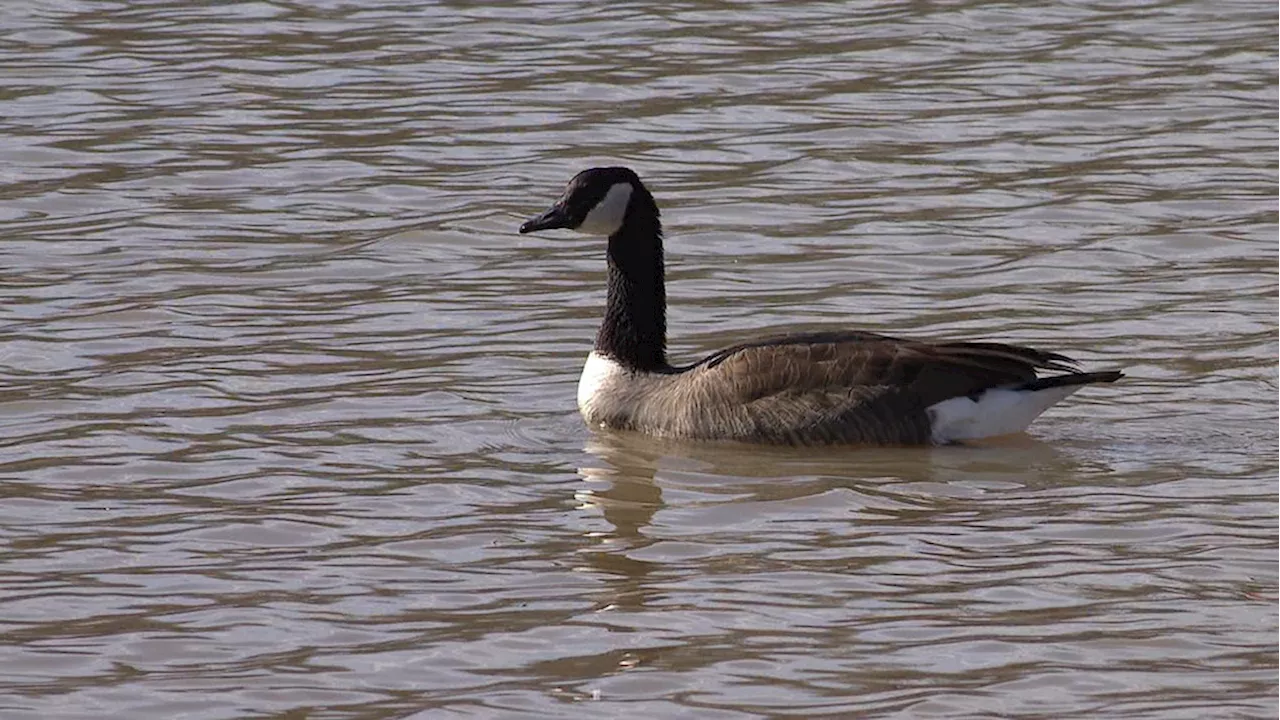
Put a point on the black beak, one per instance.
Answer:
(556, 217)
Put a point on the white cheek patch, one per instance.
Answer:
(606, 217)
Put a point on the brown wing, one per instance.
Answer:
(844, 387)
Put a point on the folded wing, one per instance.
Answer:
(852, 387)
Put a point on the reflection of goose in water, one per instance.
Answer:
(622, 488)
(631, 462)
(819, 388)
(729, 504)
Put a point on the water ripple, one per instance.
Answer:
(286, 407)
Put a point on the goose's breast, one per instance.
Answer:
(601, 376)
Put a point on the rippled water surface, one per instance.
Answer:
(287, 421)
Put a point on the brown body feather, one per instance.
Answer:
(822, 388)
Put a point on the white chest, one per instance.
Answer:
(598, 374)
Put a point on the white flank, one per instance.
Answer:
(598, 372)
(606, 217)
(996, 412)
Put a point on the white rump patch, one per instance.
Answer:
(597, 373)
(606, 217)
(999, 411)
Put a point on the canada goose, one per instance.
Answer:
(826, 387)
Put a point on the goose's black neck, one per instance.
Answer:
(634, 331)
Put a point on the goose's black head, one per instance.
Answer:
(599, 201)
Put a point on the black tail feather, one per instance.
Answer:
(1078, 378)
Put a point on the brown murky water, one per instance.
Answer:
(286, 406)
